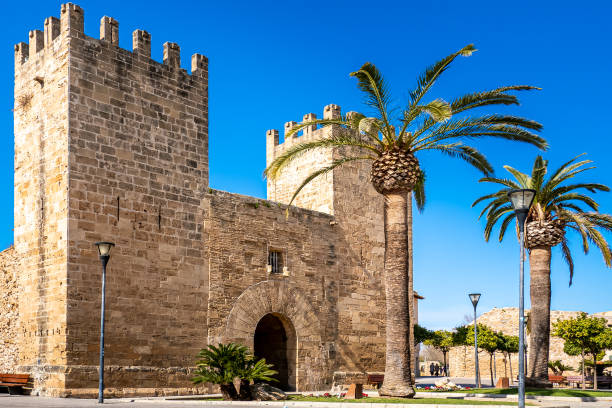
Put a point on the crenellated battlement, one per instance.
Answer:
(312, 132)
(71, 24)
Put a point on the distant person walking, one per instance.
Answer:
(437, 370)
(431, 369)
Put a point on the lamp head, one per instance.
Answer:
(521, 199)
(474, 297)
(104, 248)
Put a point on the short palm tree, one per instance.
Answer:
(391, 141)
(559, 205)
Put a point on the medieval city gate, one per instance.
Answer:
(274, 319)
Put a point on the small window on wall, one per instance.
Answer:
(275, 261)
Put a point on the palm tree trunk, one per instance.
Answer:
(539, 316)
(411, 300)
(398, 378)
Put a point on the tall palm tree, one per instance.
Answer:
(390, 140)
(558, 206)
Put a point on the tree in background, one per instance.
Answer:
(442, 340)
(488, 340)
(589, 334)
(560, 204)
(390, 140)
(509, 346)
(421, 334)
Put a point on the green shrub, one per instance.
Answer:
(223, 363)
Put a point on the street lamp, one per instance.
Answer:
(521, 202)
(104, 250)
(475, 297)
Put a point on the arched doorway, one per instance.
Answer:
(275, 340)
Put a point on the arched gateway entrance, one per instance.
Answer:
(275, 341)
(258, 315)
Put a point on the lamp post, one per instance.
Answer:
(475, 297)
(521, 202)
(104, 250)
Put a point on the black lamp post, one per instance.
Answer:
(521, 202)
(104, 250)
(475, 297)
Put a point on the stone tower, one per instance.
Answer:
(109, 145)
(345, 192)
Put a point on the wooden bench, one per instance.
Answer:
(604, 382)
(577, 381)
(14, 382)
(376, 379)
(556, 379)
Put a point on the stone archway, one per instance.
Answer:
(284, 301)
(275, 340)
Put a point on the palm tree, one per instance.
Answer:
(558, 206)
(390, 142)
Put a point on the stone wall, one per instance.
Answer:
(505, 320)
(9, 312)
(41, 202)
(138, 166)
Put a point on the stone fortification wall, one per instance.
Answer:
(41, 199)
(9, 312)
(138, 169)
(506, 320)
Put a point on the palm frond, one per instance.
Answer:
(538, 172)
(494, 217)
(296, 151)
(419, 192)
(504, 182)
(487, 98)
(562, 200)
(489, 196)
(466, 153)
(567, 256)
(432, 73)
(523, 179)
(373, 85)
(504, 225)
(500, 131)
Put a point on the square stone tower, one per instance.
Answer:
(345, 192)
(109, 145)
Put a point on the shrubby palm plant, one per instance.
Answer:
(223, 363)
(559, 205)
(391, 140)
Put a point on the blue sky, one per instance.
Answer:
(271, 62)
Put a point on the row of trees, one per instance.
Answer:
(488, 340)
(583, 335)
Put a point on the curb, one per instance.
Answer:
(512, 397)
(317, 404)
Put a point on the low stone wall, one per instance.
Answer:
(9, 312)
